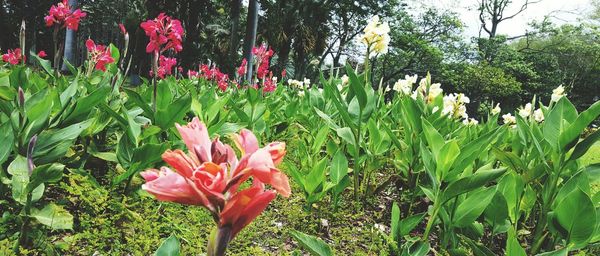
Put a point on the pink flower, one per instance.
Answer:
(98, 55)
(13, 56)
(241, 71)
(283, 74)
(210, 175)
(262, 56)
(165, 33)
(122, 28)
(192, 74)
(165, 66)
(42, 54)
(61, 14)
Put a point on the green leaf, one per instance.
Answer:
(559, 252)
(557, 121)
(433, 137)
(7, 137)
(45, 174)
(316, 176)
(357, 87)
(139, 101)
(114, 52)
(571, 134)
(38, 106)
(395, 224)
(409, 223)
(169, 247)
(53, 216)
(84, 105)
(473, 206)
(583, 146)
(7, 93)
(166, 118)
(319, 139)
(513, 248)
(45, 64)
(576, 214)
(445, 158)
(472, 182)
(497, 214)
(339, 167)
(314, 245)
(53, 144)
(346, 134)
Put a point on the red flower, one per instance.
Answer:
(210, 176)
(123, 30)
(241, 71)
(13, 56)
(42, 54)
(165, 66)
(165, 33)
(270, 83)
(61, 14)
(283, 74)
(262, 56)
(192, 74)
(98, 55)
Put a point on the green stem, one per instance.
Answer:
(431, 220)
(24, 225)
(155, 74)
(357, 156)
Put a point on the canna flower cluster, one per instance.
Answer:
(262, 56)
(42, 54)
(509, 119)
(98, 55)
(165, 66)
(165, 33)
(427, 90)
(61, 15)
(496, 110)
(404, 86)
(215, 74)
(13, 56)
(558, 93)
(376, 36)
(454, 105)
(210, 176)
(242, 69)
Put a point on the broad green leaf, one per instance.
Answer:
(497, 214)
(84, 105)
(339, 167)
(45, 64)
(445, 158)
(357, 86)
(584, 145)
(577, 215)
(314, 245)
(472, 182)
(53, 144)
(38, 106)
(7, 93)
(346, 134)
(433, 137)
(7, 137)
(513, 248)
(559, 252)
(140, 102)
(473, 206)
(53, 216)
(395, 223)
(558, 119)
(166, 118)
(45, 174)
(316, 176)
(571, 133)
(319, 139)
(168, 247)
(409, 223)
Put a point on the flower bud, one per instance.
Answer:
(30, 147)
(21, 97)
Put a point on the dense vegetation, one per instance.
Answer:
(379, 156)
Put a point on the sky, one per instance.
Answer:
(562, 11)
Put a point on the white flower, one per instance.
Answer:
(376, 36)
(295, 83)
(558, 93)
(320, 90)
(509, 119)
(470, 121)
(525, 111)
(403, 86)
(449, 102)
(435, 90)
(345, 80)
(306, 82)
(411, 79)
(538, 115)
(301, 93)
(454, 105)
(435, 109)
(496, 109)
(340, 87)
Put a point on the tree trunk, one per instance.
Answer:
(250, 39)
(70, 42)
(234, 15)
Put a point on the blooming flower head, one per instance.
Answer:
(98, 55)
(525, 112)
(558, 93)
(210, 176)
(270, 83)
(62, 15)
(241, 70)
(509, 119)
(345, 80)
(192, 74)
(165, 66)
(427, 90)
(538, 115)
(122, 28)
(496, 109)
(306, 82)
(470, 121)
(42, 54)
(13, 56)
(165, 33)
(454, 105)
(404, 86)
(295, 83)
(262, 56)
(376, 36)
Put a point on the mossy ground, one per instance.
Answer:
(110, 222)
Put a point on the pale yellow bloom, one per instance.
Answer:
(496, 109)
(558, 93)
(538, 115)
(376, 36)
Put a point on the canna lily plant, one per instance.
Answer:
(210, 176)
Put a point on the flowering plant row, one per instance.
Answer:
(513, 182)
